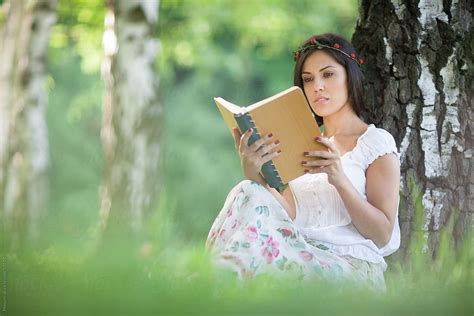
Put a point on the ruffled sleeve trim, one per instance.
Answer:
(374, 143)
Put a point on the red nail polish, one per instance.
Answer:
(318, 138)
(249, 130)
(306, 170)
(270, 135)
(306, 153)
(279, 151)
(277, 142)
(303, 162)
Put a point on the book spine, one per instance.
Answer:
(244, 121)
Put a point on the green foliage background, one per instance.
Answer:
(241, 50)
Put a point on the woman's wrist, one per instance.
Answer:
(343, 183)
(257, 178)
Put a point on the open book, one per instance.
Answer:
(288, 116)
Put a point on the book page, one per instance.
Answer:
(228, 110)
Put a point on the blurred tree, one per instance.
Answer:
(131, 130)
(24, 157)
(419, 62)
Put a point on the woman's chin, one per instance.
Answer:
(321, 113)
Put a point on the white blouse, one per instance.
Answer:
(321, 214)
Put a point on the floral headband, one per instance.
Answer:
(313, 42)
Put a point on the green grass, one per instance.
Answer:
(156, 273)
(181, 281)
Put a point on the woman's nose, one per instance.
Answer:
(318, 85)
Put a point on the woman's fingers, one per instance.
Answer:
(320, 154)
(270, 156)
(315, 170)
(260, 142)
(265, 149)
(260, 145)
(317, 163)
(237, 135)
(326, 142)
(244, 139)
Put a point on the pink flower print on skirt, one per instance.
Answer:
(270, 250)
(253, 234)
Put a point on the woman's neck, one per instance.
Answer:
(344, 122)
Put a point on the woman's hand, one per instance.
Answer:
(254, 156)
(328, 162)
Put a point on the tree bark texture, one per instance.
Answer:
(24, 153)
(131, 129)
(419, 86)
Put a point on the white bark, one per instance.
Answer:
(420, 88)
(24, 149)
(6, 64)
(44, 16)
(430, 11)
(450, 80)
(131, 126)
(109, 43)
(399, 9)
(410, 112)
(437, 157)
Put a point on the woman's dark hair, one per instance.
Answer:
(354, 74)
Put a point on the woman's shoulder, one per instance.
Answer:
(375, 133)
(376, 142)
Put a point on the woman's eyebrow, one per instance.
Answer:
(325, 67)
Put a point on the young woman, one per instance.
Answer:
(338, 220)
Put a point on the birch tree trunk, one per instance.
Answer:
(131, 130)
(23, 132)
(420, 87)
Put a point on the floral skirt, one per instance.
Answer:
(253, 234)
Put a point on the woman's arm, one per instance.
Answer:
(285, 199)
(374, 218)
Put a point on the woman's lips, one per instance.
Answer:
(321, 100)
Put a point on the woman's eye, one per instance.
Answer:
(328, 74)
(307, 79)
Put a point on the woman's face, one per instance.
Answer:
(325, 83)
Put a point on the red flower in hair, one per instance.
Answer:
(313, 43)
